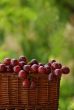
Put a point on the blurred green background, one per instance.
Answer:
(41, 29)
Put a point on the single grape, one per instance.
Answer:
(2, 67)
(22, 63)
(7, 61)
(33, 61)
(16, 68)
(14, 62)
(23, 58)
(26, 83)
(22, 74)
(65, 70)
(34, 68)
(57, 72)
(41, 70)
(48, 69)
(27, 68)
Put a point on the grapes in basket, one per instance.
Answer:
(24, 69)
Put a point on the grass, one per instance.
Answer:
(66, 101)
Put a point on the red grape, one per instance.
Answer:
(7, 61)
(34, 68)
(33, 61)
(23, 58)
(17, 68)
(26, 83)
(57, 72)
(22, 63)
(48, 69)
(22, 74)
(14, 62)
(27, 68)
(2, 68)
(65, 70)
(41, 70)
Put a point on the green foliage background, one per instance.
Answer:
(36, 29)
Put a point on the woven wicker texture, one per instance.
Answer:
(13, 95)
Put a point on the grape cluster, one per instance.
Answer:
(23, 69)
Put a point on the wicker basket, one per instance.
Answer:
(14, 96)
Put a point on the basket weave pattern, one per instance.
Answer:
(13, 95)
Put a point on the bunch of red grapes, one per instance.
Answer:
(23, 69)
